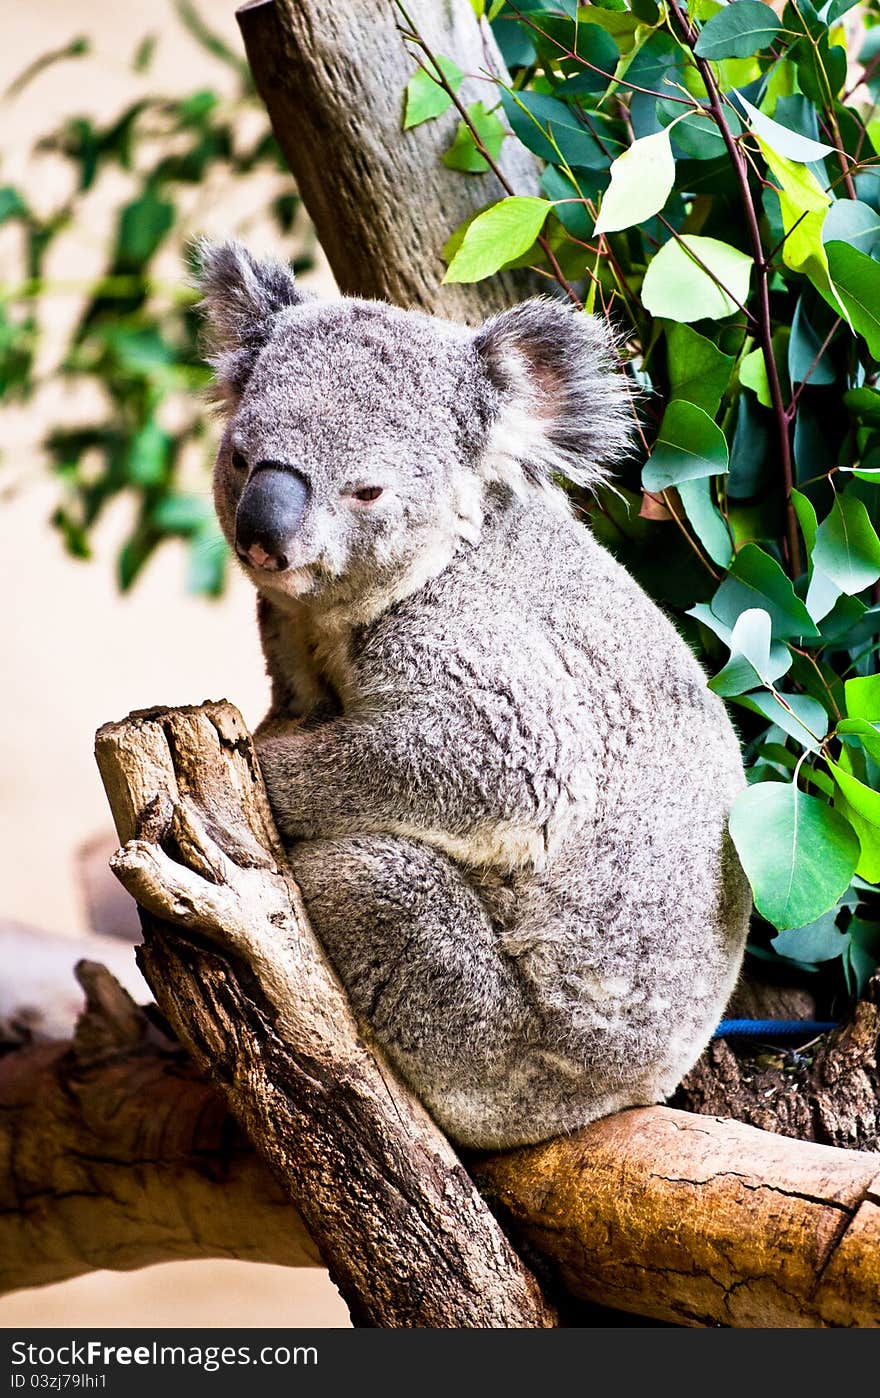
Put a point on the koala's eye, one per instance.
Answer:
(239, 461)
(367, 494)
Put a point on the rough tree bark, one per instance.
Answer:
(115, 1152)
(332, 74)
(406, 1236)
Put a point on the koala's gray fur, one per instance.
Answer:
(502, 778)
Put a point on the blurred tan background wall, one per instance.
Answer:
(75, 653)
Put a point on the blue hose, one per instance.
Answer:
(773, 1028)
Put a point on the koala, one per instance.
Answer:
(500, 777)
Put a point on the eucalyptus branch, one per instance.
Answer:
(440, 78)
(665, 499)
(762, 270)
(603, 73)
(790, 410)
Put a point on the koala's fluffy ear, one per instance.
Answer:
(241, 296)
(564, 404)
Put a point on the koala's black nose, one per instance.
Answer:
(269, 513)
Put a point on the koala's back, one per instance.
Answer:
(627, 910)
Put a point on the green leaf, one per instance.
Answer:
(862, 697)
(142, 225)
(856, 280)
(11, 204)
(867, 734)
(180, 514)
(677, 287)
(803, 718)
(862, 954)
(425, 98)
(847, 549)
(863, 808)
(555, 133)
(689, 444)
(850, 221)
(148, 455)
(864, 404)
(807, 519)
(798, 853)
(641, 182)
(756, 580)
(751, 661)
(738, 31)
(706, 519)
(819, 941)
(792, 145)
(496, 236)
(464, 153)
(753, 373)
(803, 346)
(803, 205)
(698, 370)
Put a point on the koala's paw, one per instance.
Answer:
(201, 889)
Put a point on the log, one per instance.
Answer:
(332, 74)
(239, 975)
(115, 1152)
(119, 1153)
(701, 1222)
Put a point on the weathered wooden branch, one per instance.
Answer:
(653, 1211)
(700, 1221)
(115, 1153)
(118, 1153)
(332, 74)
(406, 1236)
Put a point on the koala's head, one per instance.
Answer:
(361, 439)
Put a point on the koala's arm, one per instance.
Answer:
(447, 771)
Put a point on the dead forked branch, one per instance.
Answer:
(240, 977)
(685, 1218)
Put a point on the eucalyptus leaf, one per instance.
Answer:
(695, 278)
(641, 182)
(856, 280)
(781, 139)
(706, 519)
(698, 370)
(756, 580)
(689, 444)
(798, 853)
(819, 941)
(847, 549)
(738, 31)
(425, 97)
(496, 236)
(862, 697)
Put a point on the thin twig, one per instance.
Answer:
(762, 269)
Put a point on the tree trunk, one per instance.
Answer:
(332, 74)
(406, 1236)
